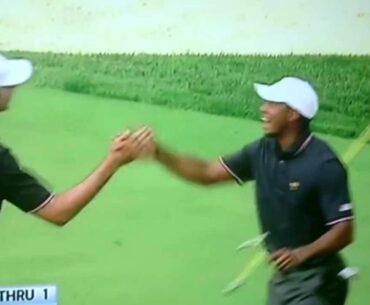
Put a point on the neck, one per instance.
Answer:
(288, 137)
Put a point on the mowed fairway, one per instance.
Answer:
(148, 238)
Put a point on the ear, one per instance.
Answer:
(293, 115)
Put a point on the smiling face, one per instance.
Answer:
(5, 97)
(276, 117)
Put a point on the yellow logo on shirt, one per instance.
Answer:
(293, 186)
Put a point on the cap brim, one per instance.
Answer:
(266, 93)
(18, 72)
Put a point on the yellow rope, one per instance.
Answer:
(356, 146)
(259, 257)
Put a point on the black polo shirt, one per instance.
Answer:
(19, 187)
(300, 193)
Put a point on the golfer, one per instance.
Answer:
(25, 191)
(302, 194)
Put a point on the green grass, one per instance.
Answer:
(214, 84)
(148, 238)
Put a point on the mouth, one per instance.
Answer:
(265, 122)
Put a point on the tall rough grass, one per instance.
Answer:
(217, 84)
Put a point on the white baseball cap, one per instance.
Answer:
(14, 72)
(297, 93)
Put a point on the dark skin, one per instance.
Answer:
(338, 237)
(285, 123)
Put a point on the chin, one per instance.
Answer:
(269, 133)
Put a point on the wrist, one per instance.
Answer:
(111, 164)
(157, 152)
(303, 253)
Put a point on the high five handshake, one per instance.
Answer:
(129, 146)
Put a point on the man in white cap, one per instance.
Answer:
(25, 191)
(302, 194)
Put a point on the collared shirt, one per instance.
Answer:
(300, 193)
(19, 187)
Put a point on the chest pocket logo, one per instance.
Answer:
(294, 185)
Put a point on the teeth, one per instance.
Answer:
(264, 119)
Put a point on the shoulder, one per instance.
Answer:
(321, 150)
(251, 147)
(325, 157)
(4, 153)
(254, 149)
(7, 159)
(3, 149)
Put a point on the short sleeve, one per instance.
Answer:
(333, 193)
(240, 163)
(19, 187)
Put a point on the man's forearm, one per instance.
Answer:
(338, 237)
(66, 205)
(188, 168)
